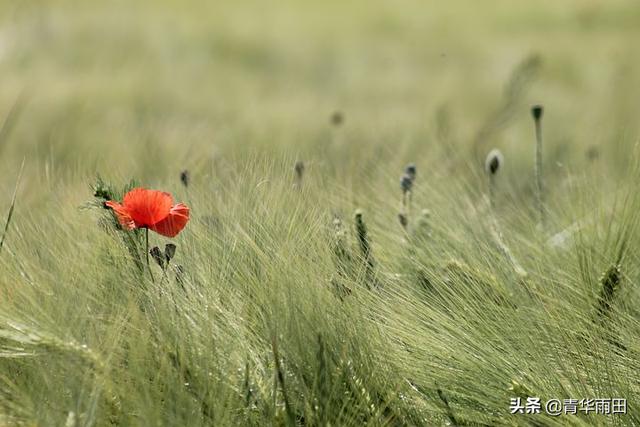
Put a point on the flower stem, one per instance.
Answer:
(537, 116)
(146, 235)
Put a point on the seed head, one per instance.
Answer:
(299, 169)
(537, 111)
(337, 118)
(157, 255)
(363, 239)
(406, 183)
(184, 177)
(493, 162)
(592, 153)
(404, 221)
(169, 251)
(610, 283)
(102, 194)
(410, 170)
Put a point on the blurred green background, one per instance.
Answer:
(144, 89)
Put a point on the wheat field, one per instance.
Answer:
(401, 213)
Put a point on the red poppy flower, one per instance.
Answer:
(142, 208)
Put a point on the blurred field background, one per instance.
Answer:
(236, 93)
(107, 84)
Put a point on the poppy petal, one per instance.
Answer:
(147, 207)
(174, 222)
(122, 214)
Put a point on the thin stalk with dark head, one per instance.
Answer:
(492, 166)
(406, 185)
(299, 171)
(365, 248)
(537, 112)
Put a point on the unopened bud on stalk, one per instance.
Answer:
(169, 251)
(410, 170)
(494, 162)
(404, 221)
(406, 183)
(185, 178)
(537, 111)
(337, 118)
(157, 255)
(299, 169)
